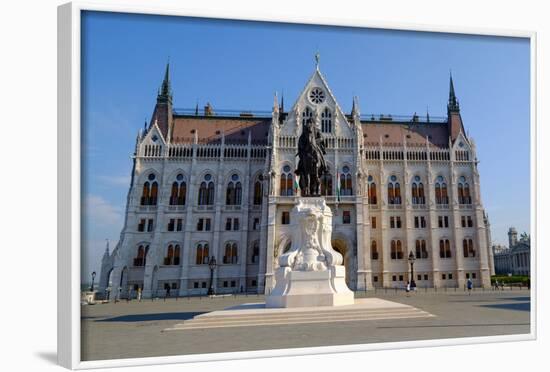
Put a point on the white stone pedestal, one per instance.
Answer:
(310, 288)
(311, 272)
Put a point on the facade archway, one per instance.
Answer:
(342, 246)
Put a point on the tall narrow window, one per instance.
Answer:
(373, 250)
(154, 193)
(468, 247)
(230, 253)
(141, 256)
(463, 191)
(206, 191)
(169, 259)
(421, 251)
(417, 191)
(394, 191)
(149, 192)
(445, 248)
(202, 254)
(326, 184)
(177, 254)
(372, 191)
(178, 191)
(233, 194)
(326, 121)
(396, 250)
(286, 181)
(255, 252)
(441, 195)
(258, 190)
(345, 181)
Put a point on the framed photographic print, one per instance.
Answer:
(241, 187)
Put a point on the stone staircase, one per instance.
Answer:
(248, 315)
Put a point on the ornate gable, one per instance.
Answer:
(317, 101)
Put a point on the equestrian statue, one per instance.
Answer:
(311, 163)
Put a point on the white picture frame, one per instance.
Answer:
(69, 70)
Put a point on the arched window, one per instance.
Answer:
(202, 254)
(258, 190)
(468, 247)
(372, 190)
(441, 195)
(179, 191)
(149, 192)
(417, 191)
(394, 191)
(233, 194)
(445, 248)
(326, 184)
(145, 193)
(396, 250)
(464, 191)
(206, 191)
(326, 121)
(255, 258)
(421, 251)
(345, 181)
(373, 250)
(231, 253)
(172, 255)
(286, 181)
(141, 256)
(154, 193)
(306, 114)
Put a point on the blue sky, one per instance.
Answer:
(239, 65)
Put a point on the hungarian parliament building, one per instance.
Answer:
(211, 193)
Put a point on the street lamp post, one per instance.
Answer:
(212, 266)
(412, 258)
(93, 278)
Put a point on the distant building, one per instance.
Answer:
(514, 259)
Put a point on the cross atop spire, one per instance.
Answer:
(317, 58)
(453, 101)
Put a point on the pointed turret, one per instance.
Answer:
(106, 254)
(165, 92)
(453, 101)
(453, 113)
(162, 115)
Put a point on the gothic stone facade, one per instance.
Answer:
(219, 184)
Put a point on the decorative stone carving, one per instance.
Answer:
(311, 272)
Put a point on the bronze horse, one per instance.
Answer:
(311, 164)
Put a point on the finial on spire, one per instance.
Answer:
(317, 58)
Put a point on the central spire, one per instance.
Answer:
(165, 92)
(453, 101)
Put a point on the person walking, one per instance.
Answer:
(139, 294)
(470, 285)
(496, 285)
(408, 288)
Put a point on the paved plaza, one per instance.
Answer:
(135, 329)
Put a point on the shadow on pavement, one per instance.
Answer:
(151, 317)
(525, 306)
(517, 298)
